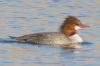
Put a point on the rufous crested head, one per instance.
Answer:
(68, 27)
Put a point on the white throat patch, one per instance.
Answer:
(77, 28)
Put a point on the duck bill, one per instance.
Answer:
(84, 26)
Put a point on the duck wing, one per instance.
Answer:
(44, 38)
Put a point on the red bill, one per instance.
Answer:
(84, 25)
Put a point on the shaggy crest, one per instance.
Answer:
(68, 27)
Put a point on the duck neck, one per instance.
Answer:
(68, 32)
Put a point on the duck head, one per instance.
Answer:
(71, 25)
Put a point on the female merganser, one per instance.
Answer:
(67, 36)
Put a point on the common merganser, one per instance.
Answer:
(67, 36)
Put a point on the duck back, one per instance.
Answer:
(45, 38)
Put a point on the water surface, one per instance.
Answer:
(20, 17)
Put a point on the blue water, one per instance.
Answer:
(20, 17)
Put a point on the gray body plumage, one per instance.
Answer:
(45, 38)
(51, 38)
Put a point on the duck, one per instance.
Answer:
(67, 36)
